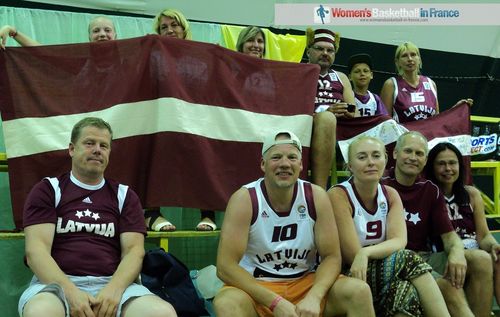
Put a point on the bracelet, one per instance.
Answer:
(275, 302)
(13, 34)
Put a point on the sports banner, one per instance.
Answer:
(188, 118)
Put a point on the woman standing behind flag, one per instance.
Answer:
(411, 96)
(173, 23)
(252, 42)
(372, 233)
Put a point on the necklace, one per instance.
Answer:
(414, 81)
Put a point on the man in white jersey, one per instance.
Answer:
(273, 229)
(85, 239)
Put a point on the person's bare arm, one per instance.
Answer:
(132, 246)
(486, 240)
(232, 245)
(39, 240)
(387, 95)
(9, 31)
(327, 243)
(456, 267)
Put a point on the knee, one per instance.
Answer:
(479, 264)
(355, 292)
(44, 304)
(325, 120)
(230, 301)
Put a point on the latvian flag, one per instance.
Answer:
(452, 126)
(188, 117)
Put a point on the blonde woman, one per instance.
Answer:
(372, 233)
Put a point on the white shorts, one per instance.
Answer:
(88, 284)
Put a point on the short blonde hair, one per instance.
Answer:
(406, 46)
(177, 16)
(364, 138)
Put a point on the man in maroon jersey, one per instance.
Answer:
(332, 101)
(427, 219)
(85, 239)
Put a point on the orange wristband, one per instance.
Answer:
(275, 302)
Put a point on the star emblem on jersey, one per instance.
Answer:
(421, 116)
(87, 213)
(285, 265)
(414, 217)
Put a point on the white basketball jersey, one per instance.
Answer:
(281, 246)
(370, 226)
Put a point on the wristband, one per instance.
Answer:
(13, 34)
(275, 302)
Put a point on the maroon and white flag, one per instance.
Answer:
(452, 126)
(188, 118)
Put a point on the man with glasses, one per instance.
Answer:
(334, 99)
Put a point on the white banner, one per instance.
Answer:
(387, 14)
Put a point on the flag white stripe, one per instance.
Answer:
(387, 131)
(28, 136)
(462, 142)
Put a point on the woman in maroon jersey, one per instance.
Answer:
(465, 206)
(411, 96)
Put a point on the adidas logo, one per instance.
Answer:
(264, 214)
(87, 200)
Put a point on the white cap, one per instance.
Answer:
(270, 141)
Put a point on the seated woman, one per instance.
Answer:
(465, 207)
(252, 41)
(372, 234)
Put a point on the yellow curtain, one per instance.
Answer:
(288, 48)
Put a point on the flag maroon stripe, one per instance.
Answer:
(69, 79)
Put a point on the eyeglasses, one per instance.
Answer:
(319, 49)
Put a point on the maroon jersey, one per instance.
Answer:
(88, 219)
(330, 91)
(462, 219)
(425, 211)
(412, 104)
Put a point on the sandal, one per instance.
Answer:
(162, 224)
(206, 224)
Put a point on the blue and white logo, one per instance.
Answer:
(322, 14)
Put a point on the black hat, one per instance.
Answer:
(357, 59)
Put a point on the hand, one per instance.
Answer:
(495, 251)
(107, 302)
(285, 309)
(359, 266)
(5, 32)
(80, 303)
(309, 306)
(468, 101)
(456, 268)
(339, 109)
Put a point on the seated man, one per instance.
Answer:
(427, 218)
(85, 239)
(334, 100)
(272, 232)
